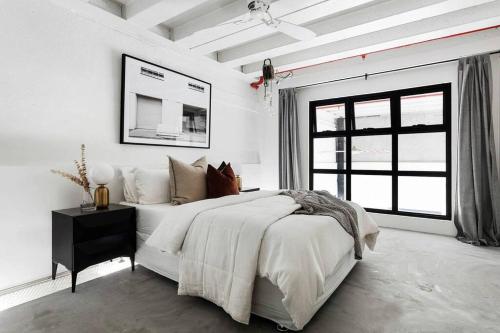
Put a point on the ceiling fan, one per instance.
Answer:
(259, 11)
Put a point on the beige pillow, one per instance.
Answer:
(188, 182)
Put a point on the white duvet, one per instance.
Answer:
(224, 243)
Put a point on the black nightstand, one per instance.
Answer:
(250, 189)
(82, 239)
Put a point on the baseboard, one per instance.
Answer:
(32, 283)
(431, 226)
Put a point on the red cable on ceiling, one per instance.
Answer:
(256, 84)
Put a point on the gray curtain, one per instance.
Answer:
(289, 141)
(477, 205)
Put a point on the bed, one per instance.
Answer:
(335, 252)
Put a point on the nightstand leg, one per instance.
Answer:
(54, 270)
(132, 261)
(73, 281)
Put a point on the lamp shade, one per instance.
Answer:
(102, 173)
(236, 168)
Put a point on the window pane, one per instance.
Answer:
(422, 195)
(422, 152)
(335, 184)
(372, 114)
(424, 109)
(372, 191)
(329, 153)
(373, 152)
(330, 118)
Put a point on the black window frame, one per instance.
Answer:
(395, 130)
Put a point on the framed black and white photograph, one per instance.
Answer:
(163, 107)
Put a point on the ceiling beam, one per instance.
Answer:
(108, 5)
(161, 30)
(357, 24)
(184, 34)
(294, 11)
(350, 49)
(166, 52)
(234, 34)
(149, 13)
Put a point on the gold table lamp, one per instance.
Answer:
(101, 197)
(102, 174)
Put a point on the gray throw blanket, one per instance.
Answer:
(323, 203)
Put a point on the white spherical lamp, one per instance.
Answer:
(102, 174)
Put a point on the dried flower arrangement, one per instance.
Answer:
(82, 179)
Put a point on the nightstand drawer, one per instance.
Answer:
(102, 249)
(89, 227)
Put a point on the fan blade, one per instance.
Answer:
(292, 30)
(222, 27)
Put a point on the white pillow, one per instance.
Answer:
(153, 186)
(129, 188)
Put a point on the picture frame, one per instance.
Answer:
(163, 107)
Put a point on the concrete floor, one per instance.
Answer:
(413, 283)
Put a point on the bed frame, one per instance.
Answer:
(266, 297)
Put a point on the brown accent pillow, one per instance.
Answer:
(221, 183)
(188, 182)
(221, 166)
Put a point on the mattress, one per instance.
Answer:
(149, 216)
(267, 298)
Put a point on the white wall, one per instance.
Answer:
(424, 53)
(60, 77)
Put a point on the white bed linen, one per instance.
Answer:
(294, 256)
(267, 298)
(148, 217)
(221, 250)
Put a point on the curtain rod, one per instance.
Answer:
(366, 75)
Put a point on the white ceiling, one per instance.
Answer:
(343, 28)
(124, 2)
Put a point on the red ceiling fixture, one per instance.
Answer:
(269, 76)
(257, 83)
